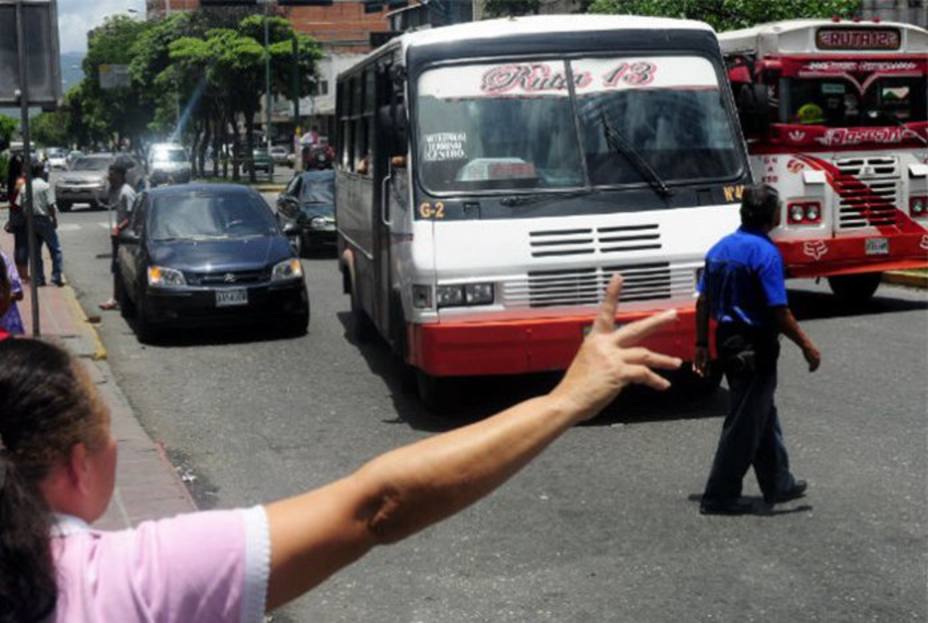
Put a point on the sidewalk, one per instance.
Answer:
(147, 486)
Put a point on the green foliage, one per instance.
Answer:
(729, 14)
(51, 129)
(506, 8)
(8, 125)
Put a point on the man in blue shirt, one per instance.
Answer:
(743, 289)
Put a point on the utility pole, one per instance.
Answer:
(267, 77)
(26, 205)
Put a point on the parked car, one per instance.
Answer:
(262, 160)
(86, 181)
(308, 203)
(202, 254)
(168, 163)
(280, 154)
(57, 158)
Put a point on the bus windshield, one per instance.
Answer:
(838, 102)
(514, 126)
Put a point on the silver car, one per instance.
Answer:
(168, 163)
(86, 181)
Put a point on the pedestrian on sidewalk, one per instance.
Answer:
(16, 221)
(11, 291)
(59, 461)
(743, 288)
(45, 225)
(121, 198)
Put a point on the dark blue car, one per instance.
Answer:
(203, 254)
(308, 203)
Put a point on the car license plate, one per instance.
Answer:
(231, 297)
(877, 246)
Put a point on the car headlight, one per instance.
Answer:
(288, 269)
(465, 294)
(317, 223)
(161, 277)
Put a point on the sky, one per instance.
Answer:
(76, 17)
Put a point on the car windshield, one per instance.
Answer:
(56, 152)
(839, 102)
(198, 215)
(170, 155)
(92, 164)
(513, 126)
(319, 190)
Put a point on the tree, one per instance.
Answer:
(51, 129)
(8, 125)
(729, 14)
(506, 8)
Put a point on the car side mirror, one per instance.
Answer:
(291, 230)
(127, 236)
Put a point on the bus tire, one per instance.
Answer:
(361, 329)
(436, 393)
(855, 289)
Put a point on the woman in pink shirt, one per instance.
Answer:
(58, 466)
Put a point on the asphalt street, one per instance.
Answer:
(602, 527)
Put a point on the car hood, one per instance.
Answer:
(233, 254)
(82, 177)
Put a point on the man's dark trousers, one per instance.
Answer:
(751, 434)
(45, 232)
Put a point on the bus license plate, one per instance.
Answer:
(231, 297)
(877, 246)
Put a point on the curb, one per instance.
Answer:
(99, 351)
(905, 278)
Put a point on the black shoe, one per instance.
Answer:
(726, 507)
(797, 491)
(39, 284)
(58, 282)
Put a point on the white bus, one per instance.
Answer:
(836, 118)
(492, 176)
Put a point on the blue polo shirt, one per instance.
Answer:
(743, 279)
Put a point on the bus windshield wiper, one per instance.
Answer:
(515, 201)
(619, 144)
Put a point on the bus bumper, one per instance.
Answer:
(523, 346)
(825, 257)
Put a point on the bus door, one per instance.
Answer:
(390, 188)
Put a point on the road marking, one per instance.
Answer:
(68, 227)
(104, 225)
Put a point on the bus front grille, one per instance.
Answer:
(588, 241)
(585, 286)
(875, 166)
(865, 205)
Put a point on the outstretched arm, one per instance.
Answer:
(403, 491)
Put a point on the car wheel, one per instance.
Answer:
(144, 330)
(855, 289)
(126, 307)
(64, 206)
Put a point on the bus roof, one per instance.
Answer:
(542, 24)
(799, 37)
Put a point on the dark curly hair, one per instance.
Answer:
(45, 409)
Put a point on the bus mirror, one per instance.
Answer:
(398, 162)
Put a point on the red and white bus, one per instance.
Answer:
(836, 119)
(493, 176)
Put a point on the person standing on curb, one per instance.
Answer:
(45, 225)
(11, 291)
(121, 198)
(743, 288)
(16, 224)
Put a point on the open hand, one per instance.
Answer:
(608, 359)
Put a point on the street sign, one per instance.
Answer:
(43, 72)
(114, 77)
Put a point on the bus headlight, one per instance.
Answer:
(466, 294)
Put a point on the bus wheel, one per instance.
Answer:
(436, 393)
(855, 289)
(361, 329)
